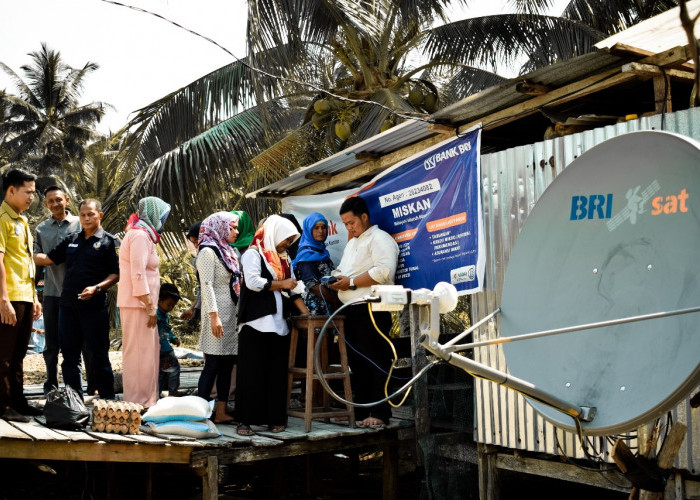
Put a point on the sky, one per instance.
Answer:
(141, 57)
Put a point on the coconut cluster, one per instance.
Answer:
(117, 417)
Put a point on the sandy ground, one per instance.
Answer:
(35, 369)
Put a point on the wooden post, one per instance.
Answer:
(662, 94)
(210, 478)
(390, 475)
(488, 472)
(649, 450)
(421, 400)
(667, 455)
(149, 481)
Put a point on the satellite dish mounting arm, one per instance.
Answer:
(429, 324)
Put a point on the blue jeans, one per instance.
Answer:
(169, 373)
(87, 330)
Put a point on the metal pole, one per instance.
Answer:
(568, 329)
(527, 388)
(472, 328)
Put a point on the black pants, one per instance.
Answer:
(261, 380)
(13, 347)
(365, 349)
(51, 350)
(78, 327)
(51, 308)
(217, 367)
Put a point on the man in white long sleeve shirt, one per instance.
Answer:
(370, 258)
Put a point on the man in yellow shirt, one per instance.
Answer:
(19, 306)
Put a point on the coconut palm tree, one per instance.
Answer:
(45, 127)
(320, 75)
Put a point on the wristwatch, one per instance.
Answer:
(352, 284)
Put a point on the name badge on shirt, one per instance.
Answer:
(18, 229)
(72, 245)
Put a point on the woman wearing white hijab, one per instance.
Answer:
(263, 343)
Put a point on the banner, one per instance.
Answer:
(431, 205)
(328, 206)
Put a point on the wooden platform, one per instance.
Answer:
(35, 441)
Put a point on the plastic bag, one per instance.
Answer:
(65, 409)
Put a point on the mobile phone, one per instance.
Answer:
(328, 280)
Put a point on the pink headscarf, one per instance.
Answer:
(214, 233)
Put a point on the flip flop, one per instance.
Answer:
(278, 428)
(244, 430)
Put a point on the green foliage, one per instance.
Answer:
(324, 63)
(43, 127)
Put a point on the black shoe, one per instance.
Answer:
(30, 411)
(13, 416)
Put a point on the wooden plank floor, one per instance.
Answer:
(34, 440)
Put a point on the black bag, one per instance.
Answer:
(65, 409)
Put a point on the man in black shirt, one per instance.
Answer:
(92, 266)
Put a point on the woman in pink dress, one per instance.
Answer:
(137, 299)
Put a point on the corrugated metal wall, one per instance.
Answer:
(512, 181)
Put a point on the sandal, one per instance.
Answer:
(278, 428)
(244, 430)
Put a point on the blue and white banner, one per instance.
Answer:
(431, 205)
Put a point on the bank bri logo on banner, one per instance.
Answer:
(431, 205)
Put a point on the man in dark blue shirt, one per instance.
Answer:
(92, 266)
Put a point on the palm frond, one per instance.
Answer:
(469, 80)
(611, 16)
(204, 170)
(502, 39)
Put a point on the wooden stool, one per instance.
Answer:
(310, 327)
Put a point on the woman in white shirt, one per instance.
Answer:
(269, 288)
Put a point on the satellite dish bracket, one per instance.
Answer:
(429, 341)
(447, 352)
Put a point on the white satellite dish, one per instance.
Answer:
(616, 235)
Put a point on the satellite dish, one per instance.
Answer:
(616, 235)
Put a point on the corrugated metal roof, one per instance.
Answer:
(387, 142)
(505, 95)
(657, 34)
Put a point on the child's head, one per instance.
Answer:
(168, 297)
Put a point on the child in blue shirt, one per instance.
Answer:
(169, 372)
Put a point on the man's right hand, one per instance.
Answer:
(342, 284)
(7, 313)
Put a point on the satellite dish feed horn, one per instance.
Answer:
(610, 248)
